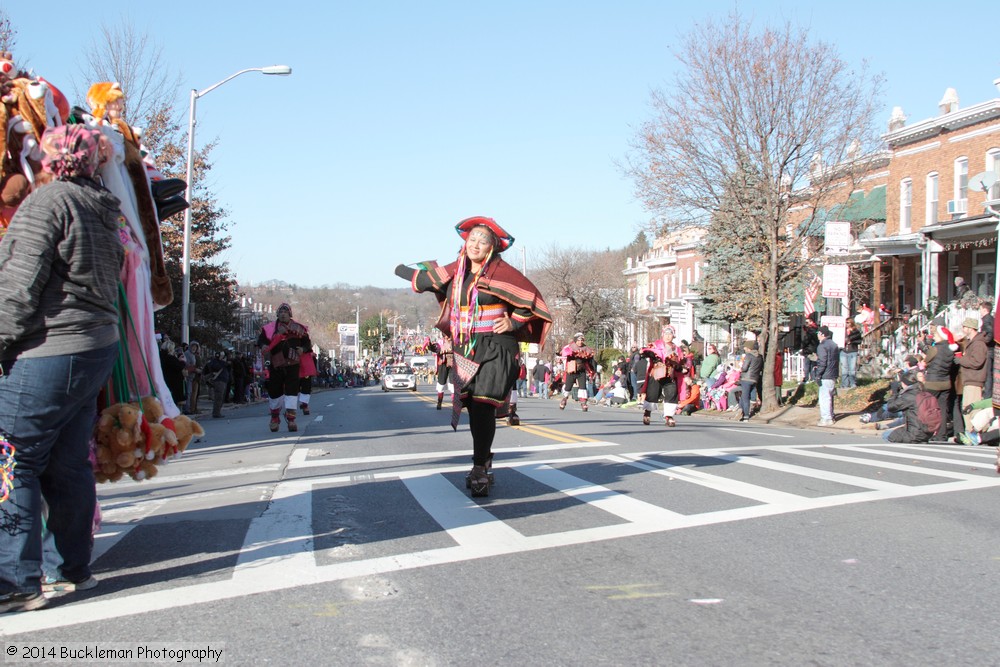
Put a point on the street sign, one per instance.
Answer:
(837, 239)
(835, 281)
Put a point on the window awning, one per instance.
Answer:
(859, 207)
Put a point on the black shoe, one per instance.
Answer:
(938, 440)
(21, 602)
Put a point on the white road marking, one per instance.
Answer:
(747, 430)
(735, 487)
(298, 458)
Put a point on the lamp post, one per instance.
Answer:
(357, 339)
(280, 70)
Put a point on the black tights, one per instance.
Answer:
(483, 424)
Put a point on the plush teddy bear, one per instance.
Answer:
(186, 429)
(120, 441)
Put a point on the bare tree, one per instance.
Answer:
(765, 110)
(8, 34)
(584, 289)
(136, 62)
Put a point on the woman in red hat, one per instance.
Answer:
(487, 308)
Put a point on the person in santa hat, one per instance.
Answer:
(940, 374)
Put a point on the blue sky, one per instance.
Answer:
(401, 118)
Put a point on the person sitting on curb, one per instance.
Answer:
(882, 413)
(693, 401)
(914, 430)
(981, 427)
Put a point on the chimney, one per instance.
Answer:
(897, 120)
(948, 103)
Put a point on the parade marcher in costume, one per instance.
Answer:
(442, 374)
(282, 343)
(487, 307)
(662, 356)
(59, 268)
(579, 361)
(307, 371)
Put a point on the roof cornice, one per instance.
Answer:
(955, 120)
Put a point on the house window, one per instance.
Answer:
(962, 178)
(905, 205)
(984, 263)
(993, 164)
(932, 199)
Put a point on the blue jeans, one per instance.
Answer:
(48, 406)
(848, 369)
(826, 399)
(746, 389)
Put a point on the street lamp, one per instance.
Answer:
(280, 70)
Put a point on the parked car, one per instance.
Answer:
(399, 377)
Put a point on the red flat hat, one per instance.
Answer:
(504, 239)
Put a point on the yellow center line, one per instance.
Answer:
(552, 434)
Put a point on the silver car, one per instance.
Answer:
(399, 377)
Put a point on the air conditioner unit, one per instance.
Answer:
(958, 206)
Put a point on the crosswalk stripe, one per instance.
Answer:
(460, 516)
(882, 464)
(803, 471)
(630, 509)
(734, 487)
(911, 455)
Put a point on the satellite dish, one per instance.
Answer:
(650, 298)
(984, 181)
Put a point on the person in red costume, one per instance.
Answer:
(660, 377)
(579, 366)
(282, 343)
(487, 308)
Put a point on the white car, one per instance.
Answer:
(399, 377)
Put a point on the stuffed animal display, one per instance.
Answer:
(135, 438)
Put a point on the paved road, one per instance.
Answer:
(354, 541)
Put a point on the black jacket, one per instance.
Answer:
(906, 402)
(827, 360)
(752, 368)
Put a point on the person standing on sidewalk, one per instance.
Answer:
(827, 367)
(849, 355)
(216, 371)
(60, 262)
(192, 365)
(751, 372)
(972, 365)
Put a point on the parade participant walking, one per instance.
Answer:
(659, 379)
(282, 343)
(60, 262)
(307, 371)
(579, 360)
(487, 307)
(442, 376)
